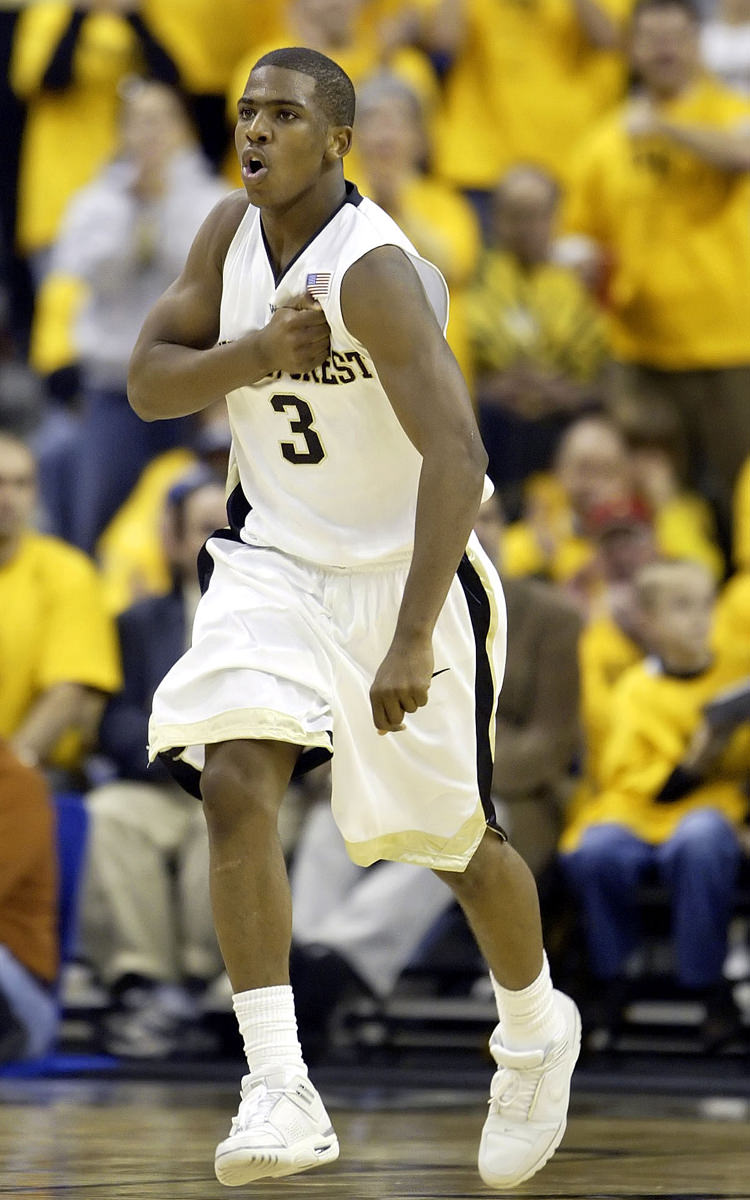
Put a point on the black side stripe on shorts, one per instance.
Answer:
(206, 562)
(480, 613)
(238, 506)
(237, 509)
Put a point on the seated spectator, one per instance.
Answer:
(58, 647)
(591, 469)
(358, 929)
(673, 796)
(392, 169)
(594, 469)
(537, 337)
(146, 925)
(124, 239)
(29, 944)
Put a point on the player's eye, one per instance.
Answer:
(244, 112)
(286, 114)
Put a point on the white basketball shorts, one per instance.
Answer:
(283, 649)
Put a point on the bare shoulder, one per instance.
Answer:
(222, 223)
(382, 297)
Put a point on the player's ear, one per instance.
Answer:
(339, 141)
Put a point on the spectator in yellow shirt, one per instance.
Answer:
(662, 188)
(595, 466)
(591, 469)
(58, 647)
(537, 336)
(673, 795)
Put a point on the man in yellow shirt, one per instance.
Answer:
(673, 794)
(58, 647)
(662, 188)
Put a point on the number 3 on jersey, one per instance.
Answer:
(302, 425)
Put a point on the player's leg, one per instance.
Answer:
(497, 892)
(243, 784)
(537, 1040)
(281, 1126)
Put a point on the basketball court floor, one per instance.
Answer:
(117, 1139)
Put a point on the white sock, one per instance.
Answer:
(528, 1018)
(268, 1025)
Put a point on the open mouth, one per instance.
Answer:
(253, 168)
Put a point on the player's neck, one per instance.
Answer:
(288, 228)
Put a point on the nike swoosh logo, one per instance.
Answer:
(440, 672)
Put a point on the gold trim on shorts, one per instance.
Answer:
(242, 723)
(424, 849)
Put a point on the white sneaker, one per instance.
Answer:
(281, 1128)
(528, 1103)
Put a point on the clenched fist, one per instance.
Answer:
(297, 337)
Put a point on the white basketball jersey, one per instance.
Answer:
(321, 467)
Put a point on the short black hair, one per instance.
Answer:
(689, 8)
(333, 87)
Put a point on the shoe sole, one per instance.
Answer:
(238, 1165)
(559, 1132)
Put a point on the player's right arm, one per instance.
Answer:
(177, 367)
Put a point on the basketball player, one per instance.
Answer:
(347, 607)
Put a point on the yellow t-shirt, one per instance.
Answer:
(524, 86)
(654, 717)
(543, 315)
(677, 232)
(605, 652)
(53, 629)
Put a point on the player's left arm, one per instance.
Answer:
(385, 307)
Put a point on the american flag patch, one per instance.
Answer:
(318, 283)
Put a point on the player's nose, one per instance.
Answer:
(258, 130)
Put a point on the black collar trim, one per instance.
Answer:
(352, 196)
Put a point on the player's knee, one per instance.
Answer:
(236, 790)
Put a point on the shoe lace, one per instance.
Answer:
(257, 1100)
(515, 1082)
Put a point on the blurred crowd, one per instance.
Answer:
(579, 170)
